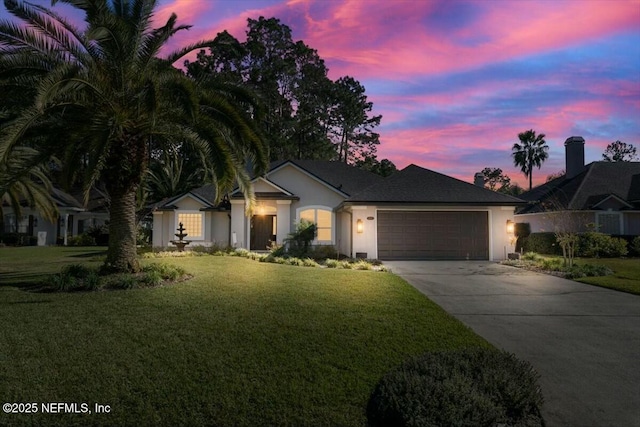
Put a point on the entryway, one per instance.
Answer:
(263, 231)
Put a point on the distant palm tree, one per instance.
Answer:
(106, 101)
(24, 180)
(532, 150)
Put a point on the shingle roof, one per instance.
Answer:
(207, 192)
(598, 181)
(339, 175)
(414, 184)
(342, 177)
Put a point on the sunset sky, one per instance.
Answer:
(456, 81)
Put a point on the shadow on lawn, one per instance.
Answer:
(89, 254)
(26, 281)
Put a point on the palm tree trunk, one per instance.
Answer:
(121, 255)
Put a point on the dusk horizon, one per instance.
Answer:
(456, 81)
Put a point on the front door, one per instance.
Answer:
(262, 231)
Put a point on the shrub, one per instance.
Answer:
(63, 282)
(152, 278)
(100, 234)
(308, 262)
(596, 270)
(241, 252)
(551, 264)
(587, 270)
(92, 282)
(18, 239)
(299, 241)
(295, 261)
(10, 239)
(595, 245)
(542, 243)
(635, 245)
(531, 256)
(345, 264)
(76, 277)
(79, 271)
(81, 240)
(125, 281)
(618, 248)
(362, 265)
(464, 388)
(332, 263)
(165, 271)
(522, 229)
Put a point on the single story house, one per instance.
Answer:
(414, 214)
(602, 196)
(74, 218)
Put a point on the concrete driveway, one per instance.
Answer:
(583, 340)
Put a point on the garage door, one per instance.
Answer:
(433, 235)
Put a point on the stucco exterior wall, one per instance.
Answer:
(239, 225)
(632, 223)
(500, 241)
(365, 244)
(344, 233)
(163, 228)
(310, 191)
(217, 224)
(577, 221)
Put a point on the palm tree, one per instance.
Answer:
(105, 100)
(24, 180)
(532, 150)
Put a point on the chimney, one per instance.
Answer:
(574, 156)
(478, 179)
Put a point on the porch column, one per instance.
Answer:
(157, 238)
(238, 224)
(283, 220)
(66, 228)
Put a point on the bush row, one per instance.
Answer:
(273, 257)
(590, 244)
(536, 261)
(78, 277)
(18, 239)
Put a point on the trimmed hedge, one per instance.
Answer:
(522, 229)
(542, 243)
(633, 243)
(599, 245)
(18, 239)
(590, 245)
(471, 387)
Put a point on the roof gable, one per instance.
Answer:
(173, 202)
(414, 184)
(599, 181)
(608, 201)
(338, 176)
(263, 185)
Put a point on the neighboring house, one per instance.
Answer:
(413, 214)
(602, 196)
(74, 219)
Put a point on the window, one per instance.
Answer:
(193, 223)
(10, 224)
(323, 218)
(609, 223)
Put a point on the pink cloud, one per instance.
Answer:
(360, 40)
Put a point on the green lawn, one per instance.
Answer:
(626, 274)
(243, 343)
